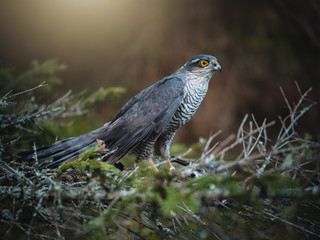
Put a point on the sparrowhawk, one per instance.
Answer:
(146, 124)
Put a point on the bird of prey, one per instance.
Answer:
(146, 124)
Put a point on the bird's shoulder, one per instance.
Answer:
(158, 95)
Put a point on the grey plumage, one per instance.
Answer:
(146, 124)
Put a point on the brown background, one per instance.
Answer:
(260, 45)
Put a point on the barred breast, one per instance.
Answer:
(194, 94)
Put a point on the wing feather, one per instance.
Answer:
(143, 117)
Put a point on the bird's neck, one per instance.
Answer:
(201, 82)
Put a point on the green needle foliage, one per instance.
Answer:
(245, 187)
(38, 73)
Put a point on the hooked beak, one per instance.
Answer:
(217, 67)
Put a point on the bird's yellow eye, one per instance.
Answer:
(204, 63)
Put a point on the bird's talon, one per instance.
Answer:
(172, 168)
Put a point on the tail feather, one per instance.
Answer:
(68, 157)
(63, 150)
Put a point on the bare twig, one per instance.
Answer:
(291, 224)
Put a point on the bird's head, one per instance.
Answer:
(202, 66)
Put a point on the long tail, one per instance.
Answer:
(64, 150)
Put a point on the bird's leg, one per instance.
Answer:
(162, 148)
(152, 165)
(171, 167)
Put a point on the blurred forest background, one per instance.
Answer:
(261, 45)
(255, 184)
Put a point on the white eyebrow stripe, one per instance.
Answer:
(196, 60)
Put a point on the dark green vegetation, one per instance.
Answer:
(245, 187)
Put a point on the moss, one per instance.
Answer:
(269, 190)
